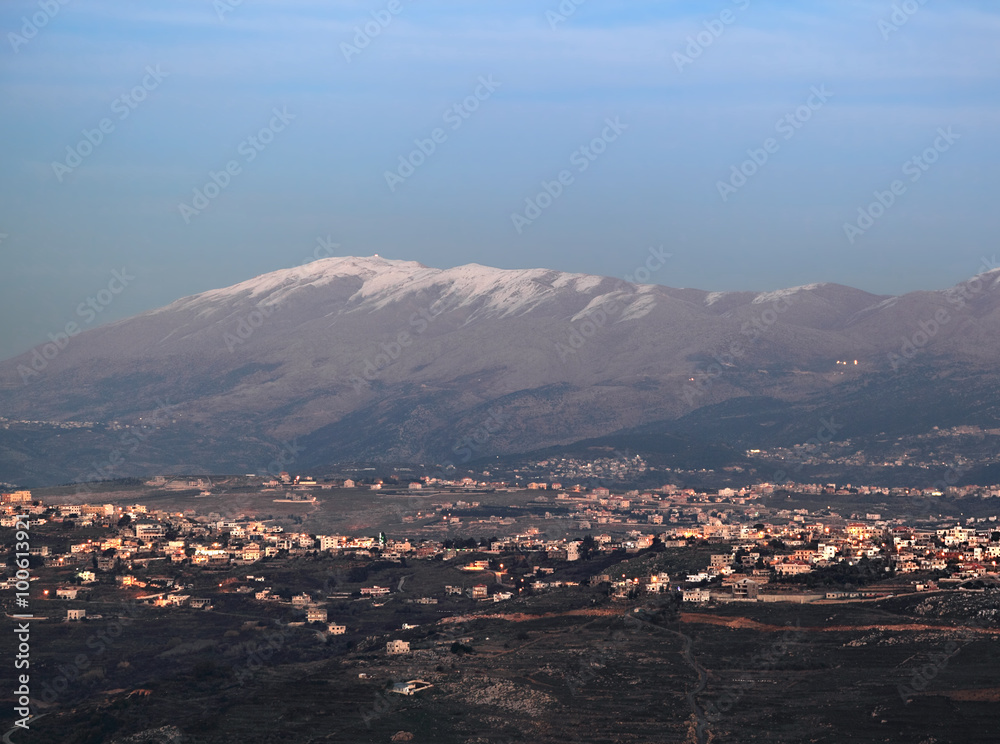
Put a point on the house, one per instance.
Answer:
(411, 687)
(316, 615)
(67, 592)
(476, 566)
(75, 615)
(335, 629)
(745, 589)
(696, 595)
(394, 648)
(658, 582)
(792, 568)
(145, 531)
(329, 542)
(301, 600)
(479, 591)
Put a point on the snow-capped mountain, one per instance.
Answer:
(381, 359)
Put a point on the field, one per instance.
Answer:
(571, 665)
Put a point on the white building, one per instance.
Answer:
(697, 595)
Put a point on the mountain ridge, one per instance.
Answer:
(366, 357)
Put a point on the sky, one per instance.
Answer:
(154, 150)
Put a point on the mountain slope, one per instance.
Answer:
(369, 358)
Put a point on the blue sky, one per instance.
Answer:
(223, 68)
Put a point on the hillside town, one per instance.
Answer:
(732, 547)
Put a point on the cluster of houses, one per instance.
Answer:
(766, 553)
(762, 546)
(967, 552)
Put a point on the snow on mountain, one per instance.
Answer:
(781, 294)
